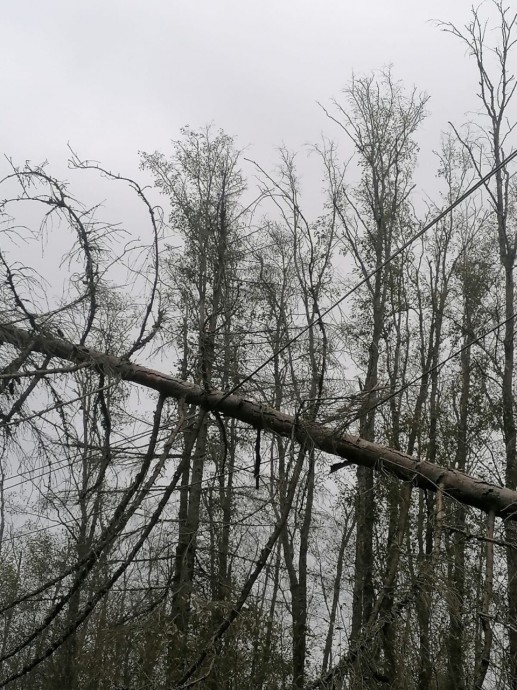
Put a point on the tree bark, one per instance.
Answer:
(462, 487)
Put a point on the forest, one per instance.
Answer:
(258, 446)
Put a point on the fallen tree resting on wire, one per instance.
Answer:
(462, 487)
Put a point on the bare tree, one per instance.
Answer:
(496, 90)
(380, 121)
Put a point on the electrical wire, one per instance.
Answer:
(399, 251)
(440, 364)
(306, 328)
(371, 408)
(372, 273)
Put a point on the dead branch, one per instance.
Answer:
(462, 487)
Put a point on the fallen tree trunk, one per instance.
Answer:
(464, 488)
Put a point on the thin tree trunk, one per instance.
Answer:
(345, 538)
(484, 660)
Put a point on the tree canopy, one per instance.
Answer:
(251, 446)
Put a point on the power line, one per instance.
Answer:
(304, 330)
(374, 272)
(371, 408)
(36, 531)
(246, 468)
(438, 365)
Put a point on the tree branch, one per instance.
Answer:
(466, 489)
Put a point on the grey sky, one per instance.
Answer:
(116, 76)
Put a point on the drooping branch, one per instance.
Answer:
(462, 487)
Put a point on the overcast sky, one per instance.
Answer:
(113, 77)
